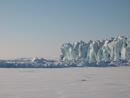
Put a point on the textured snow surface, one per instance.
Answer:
(88, 82)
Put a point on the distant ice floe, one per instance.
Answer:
(112, 52)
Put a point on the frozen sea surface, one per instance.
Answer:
(88, 82)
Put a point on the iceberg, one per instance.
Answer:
(109, 52)
(97, 52)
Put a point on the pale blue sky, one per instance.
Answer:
(30, 28)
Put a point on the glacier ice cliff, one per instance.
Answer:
(101, 53)
(115, 51)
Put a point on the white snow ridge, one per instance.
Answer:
(112, 52)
